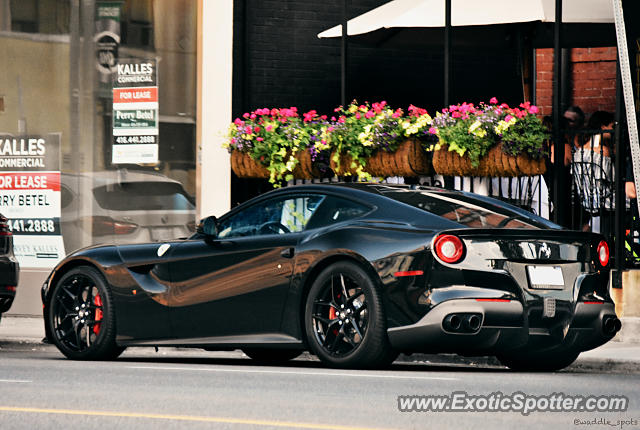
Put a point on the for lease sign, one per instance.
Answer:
(135, 112)
(30, 197)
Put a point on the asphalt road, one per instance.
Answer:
(175, 389)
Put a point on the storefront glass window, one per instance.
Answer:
(97, 123)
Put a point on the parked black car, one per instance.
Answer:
(355, 273)
(9, 267)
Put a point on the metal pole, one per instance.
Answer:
(559, 197)
(343, 54)
(447, 52)
(619, 214)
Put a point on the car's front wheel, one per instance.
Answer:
(536, 361)
(344, 319)
(81, 316)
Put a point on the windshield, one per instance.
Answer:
(469, 210)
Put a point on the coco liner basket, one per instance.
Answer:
(495, 164)
(410, 159)
(246, 167)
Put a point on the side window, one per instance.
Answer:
(276, 216)
(336, 209)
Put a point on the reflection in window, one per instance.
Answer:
(132, 196)
(336, 209)
(279, 216)
(460, 210)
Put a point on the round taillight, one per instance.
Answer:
(603, 253)
(449, 248)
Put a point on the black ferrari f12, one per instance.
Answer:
(354, 273)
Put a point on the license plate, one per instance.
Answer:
(546, 277)
(162, 233)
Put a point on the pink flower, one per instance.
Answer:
(269, 127)
(323, 117)
(357, 115)
(259, 139)
(248, 130)
(369, 114)
(253, 116)
(333, 118)
(341, 120)
(274, 112)
(245, 115)
(330, 129)
(433, 130)
(238, 122)
(456, 114)
(257, 129)
(309, 115)
(493, 101)
(534, 110)
(508, 118)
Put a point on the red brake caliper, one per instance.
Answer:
(332, 316)
(97, 300)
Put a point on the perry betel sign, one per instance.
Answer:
(135, 112)
(30, 197)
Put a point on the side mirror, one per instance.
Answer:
(208, 226)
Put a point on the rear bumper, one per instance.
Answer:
(503, 327)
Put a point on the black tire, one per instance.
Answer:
(344, 319)
(546, 361)
(271, 356)
(81, 318)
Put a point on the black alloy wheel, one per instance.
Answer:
(81, 317)
(344, 319)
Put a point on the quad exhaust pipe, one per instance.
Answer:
(462, 322)
(611, 325)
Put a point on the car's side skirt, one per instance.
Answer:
(275, 340)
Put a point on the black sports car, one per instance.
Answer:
(355, 273)
(9, 267)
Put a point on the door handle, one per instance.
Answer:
(288, 253)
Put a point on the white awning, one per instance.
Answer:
(430, 13)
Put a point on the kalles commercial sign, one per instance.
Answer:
(30, 197)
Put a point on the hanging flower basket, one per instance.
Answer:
(410, 159)
(246, 167)
(305, 168)
(343, 166)
(496, 163)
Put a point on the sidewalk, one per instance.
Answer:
(27, 332)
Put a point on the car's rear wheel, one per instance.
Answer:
(271, 356)
(344, 319)
(533, 361)
(81, 316)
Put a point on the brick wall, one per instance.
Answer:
(287, 65)
(592, 79)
